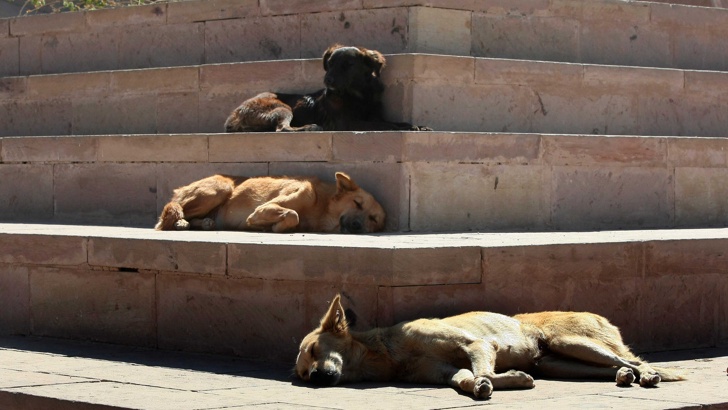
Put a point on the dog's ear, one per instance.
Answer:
(345, 183)
(327, 55)
(335, 320)
(376, 60)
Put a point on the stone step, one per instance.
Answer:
(426, 182)
(448, 93)
(256, 295)
(44, 373)
(220, 31)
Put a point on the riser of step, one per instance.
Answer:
(256, 295)
(215, 31)
(446, 93)
(425, 181)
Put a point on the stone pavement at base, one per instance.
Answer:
(38, 373)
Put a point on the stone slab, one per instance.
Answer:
(66, 375)
(493, 181)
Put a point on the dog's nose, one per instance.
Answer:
(324, 378)
(351, 225)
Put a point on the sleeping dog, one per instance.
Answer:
(475, 352)
(351, 101)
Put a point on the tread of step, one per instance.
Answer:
(482, 94)
(185, 33)
(493, 181)
(64, 375)
(229, 292)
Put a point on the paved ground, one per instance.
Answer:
(56, 374)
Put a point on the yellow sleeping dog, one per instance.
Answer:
(277, 204)
(476, 352)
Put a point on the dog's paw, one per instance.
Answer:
(483, 388)
(182, 225)
(521, 379)
(208, 224)
(625, 377)
(649, 379)
(421, 128)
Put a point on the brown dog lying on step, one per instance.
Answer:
(278, 204)
(351, 101)
(475, 352)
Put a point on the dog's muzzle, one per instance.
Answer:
(351, 225)
(325, 377)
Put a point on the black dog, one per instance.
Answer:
(351, 101)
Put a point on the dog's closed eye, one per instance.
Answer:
(358, 205)
(312, 351)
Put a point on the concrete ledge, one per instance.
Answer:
(493, 181)
(67, 375)
(482, 94)
(251, 294)
(204, 32)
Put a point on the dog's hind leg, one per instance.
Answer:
(277, 217)
(589, 351)
(191, 204)
(562, 368)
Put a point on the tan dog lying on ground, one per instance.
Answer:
(278, 204)
(476, 352)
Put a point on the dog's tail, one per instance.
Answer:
(669, 375)
(171, 213)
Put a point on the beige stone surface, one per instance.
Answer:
(26, 192)
(49, 149)
(603, 32)
(385, 30)
(184, 12)
(440, 31)
(43, 24)
(251, 317)
(72, 375)
(574, 182)
(80, 51)
(173, 256)
(701, 196)
(153, 148)
(471, 197)
(162, 46)
(80, 303)
(596, 198)
(14, 297)
(255, 147)
(525, 37)
(493, 95)
(267, 38)
(82, 194)
(43, 250)
(9, 56)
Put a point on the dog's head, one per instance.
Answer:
(322, 352)
(356, 210)
(352, 70)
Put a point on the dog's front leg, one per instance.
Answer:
(278, 218)
(465, 380)
(482, 356)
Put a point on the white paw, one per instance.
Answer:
(625, 377)
(483, 388)
(182, 225)
(650, 379)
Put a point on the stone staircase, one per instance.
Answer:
(573, 138)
